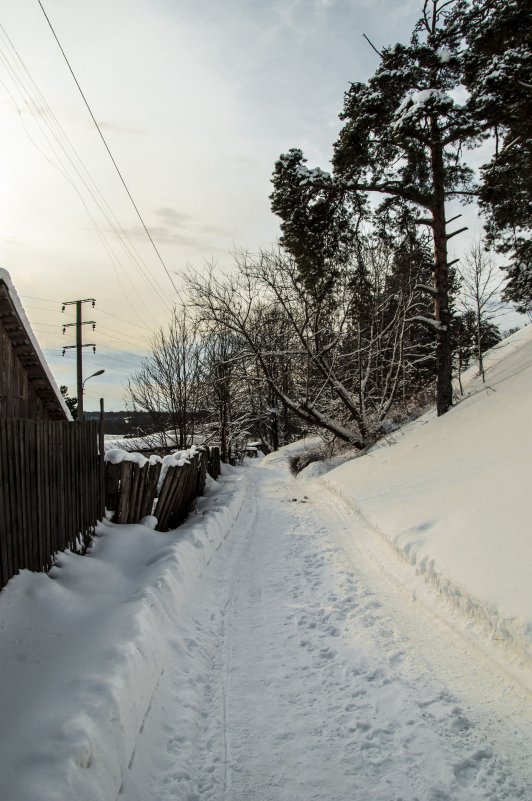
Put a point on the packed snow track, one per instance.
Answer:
(299, 672)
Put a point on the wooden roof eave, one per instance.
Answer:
(27, 355)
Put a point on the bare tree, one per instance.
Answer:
(224, 389)
(338, 363)
(168, 383)
(481, 294)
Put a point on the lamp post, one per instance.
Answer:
(80, 405)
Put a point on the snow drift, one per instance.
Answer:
(452, 494)
(82, 650)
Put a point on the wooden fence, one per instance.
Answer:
(51, 494)
(132, 491)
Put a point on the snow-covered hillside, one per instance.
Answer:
(453, 495)
(363, 634)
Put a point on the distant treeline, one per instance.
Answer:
(122, 423)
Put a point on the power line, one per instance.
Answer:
(58, 133)
(108, 150)
(110, 332)
(100, 311)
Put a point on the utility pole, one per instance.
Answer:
(79, 344)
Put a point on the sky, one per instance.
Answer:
(196, 100)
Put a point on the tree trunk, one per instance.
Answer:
(479, 342)
(223, 431)
(444, 392)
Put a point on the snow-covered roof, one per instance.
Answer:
(18, 328)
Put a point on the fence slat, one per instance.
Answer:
(6, 542)
(124, 498)
(150, 490)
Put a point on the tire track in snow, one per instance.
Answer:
(227, 645)
(294, 679)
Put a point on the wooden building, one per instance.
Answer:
(27, 388)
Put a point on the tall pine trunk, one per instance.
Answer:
(444, 393)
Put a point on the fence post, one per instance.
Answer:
(101, 447)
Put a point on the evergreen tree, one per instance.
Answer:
(402, 138)
(318, 226)
(498, 73)
(72, 403)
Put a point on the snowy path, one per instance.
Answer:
(299, 671)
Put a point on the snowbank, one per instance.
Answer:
(85, 648)
(452, 494)
(117, 455)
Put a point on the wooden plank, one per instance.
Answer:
(83, 468)
(23, 496)
(162, 500)
(139, 493)
(166, 501)
(32, 481)
(202, 472)
(142, 478)
(164, 494)
(136, 480)
(192, 483)
(63, 514)
(42, 515)
(13, 493)
(87, 470)
(125, 484)
(214, 460)
(112, 485)
(177, 510)
(6, 530)
(187, 494)
(150, 489)
(77, 493)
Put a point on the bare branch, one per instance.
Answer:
(372, 45)
(455, 233)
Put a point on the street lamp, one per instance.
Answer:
(98, 372)
(81, 416)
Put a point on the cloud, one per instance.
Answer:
(174, 220)
(179, 229)
(110, 126)
(171, 217)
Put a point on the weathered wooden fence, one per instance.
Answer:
(51, 495)
(132, 490)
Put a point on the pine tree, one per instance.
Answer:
(498, 73)
(317, 224)
(72, 403)
(402, 139)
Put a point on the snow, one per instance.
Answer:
(6, 278)
(117, 455)
(415, 103)
(83, 650)
(361, 634)
(451, 496)
(444, 55)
